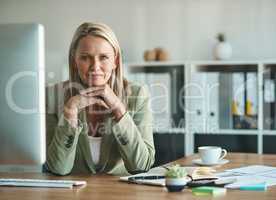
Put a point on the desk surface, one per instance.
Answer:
(108, 187)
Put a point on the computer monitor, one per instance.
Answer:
(22, 98)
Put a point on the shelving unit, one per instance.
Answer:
(164, 82)
(214, 104)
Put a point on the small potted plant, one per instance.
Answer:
(223, 49)
(176, 178)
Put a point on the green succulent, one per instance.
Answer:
(221, 37)
(176, 171)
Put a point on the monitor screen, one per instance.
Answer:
(22, 98)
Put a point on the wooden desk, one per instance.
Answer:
(109, 188)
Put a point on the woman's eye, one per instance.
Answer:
(103, 57)
(84, 57)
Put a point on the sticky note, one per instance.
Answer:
(205, 190)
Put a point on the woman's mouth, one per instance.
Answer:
(94, 76)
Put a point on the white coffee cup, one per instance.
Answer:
(211, 154)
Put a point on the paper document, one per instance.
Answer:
(253, 169)
(250, 175)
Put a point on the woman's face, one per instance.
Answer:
(95, 60)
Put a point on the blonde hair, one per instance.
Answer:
(116, 82)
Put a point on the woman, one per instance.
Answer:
(105, 124)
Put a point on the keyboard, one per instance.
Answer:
(19, 182)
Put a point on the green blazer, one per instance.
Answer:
(127, 146)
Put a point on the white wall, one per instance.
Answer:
(187, 28)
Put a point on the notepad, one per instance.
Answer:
(197, 173)
(201, 173)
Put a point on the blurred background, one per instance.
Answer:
(186, 28)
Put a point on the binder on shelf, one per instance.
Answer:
(269, 100)
(159, 85)
(269, 91)
(196, 101)
(251, 97)
(212, 102)
(225, 91)
(238, 99)
(251, 103)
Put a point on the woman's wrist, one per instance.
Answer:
(71, 114)
(119, 111)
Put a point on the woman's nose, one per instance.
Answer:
(94, 65)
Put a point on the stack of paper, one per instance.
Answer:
(250, 176)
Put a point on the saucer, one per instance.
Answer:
(220, 162)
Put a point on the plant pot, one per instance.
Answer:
(223, 51)
(176, 184)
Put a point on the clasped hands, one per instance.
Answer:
(98, 95)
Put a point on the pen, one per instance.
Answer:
(145, 178)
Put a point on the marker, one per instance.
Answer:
(256, 187)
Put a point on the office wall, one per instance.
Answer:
(187, 28)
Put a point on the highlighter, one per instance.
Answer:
(256, 187)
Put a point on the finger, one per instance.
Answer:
(93, 94)
(87, 101)
(98, 101)
(91, 89)
(84, 102)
